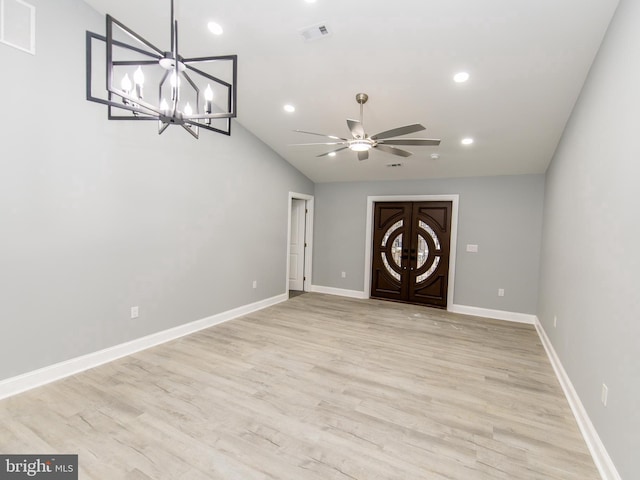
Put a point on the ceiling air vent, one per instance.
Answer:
(315, 32)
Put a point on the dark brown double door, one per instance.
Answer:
(411, 242)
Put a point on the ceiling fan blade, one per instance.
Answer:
(321, 135)
(327, 143)
(395, 132)
(425, 142)
(356, 128)
(393, 150)
(332, 151)
(363, 155)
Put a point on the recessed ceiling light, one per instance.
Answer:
(467, 141)
(310, 1)
(461, 77)
(215, 28)
(332, 154)
(435, 156)
(289, 108)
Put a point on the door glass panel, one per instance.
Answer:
(431, 233)
(396, 251)
(390, 231)
(423, 251)
(428, 273)
(390, 270)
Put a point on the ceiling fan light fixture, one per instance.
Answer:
(384, 141)
(360, 146)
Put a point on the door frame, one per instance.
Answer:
(368, 253)
(308, 233)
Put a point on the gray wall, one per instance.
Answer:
(590, 260)
(502, 215)
(98, 216)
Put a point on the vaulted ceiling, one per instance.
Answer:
(527, 62)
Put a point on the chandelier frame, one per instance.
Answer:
(174, 66)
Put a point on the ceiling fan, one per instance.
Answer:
(362, 143)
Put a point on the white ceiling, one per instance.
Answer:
(527, 59)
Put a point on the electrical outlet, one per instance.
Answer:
(344, 274)
(472, 248)
(555, 321)
(501, 292)
(255, 284)
(135, 312)
(605, 394)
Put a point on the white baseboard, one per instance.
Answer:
(13, 386)
(598, 451)
(495, 314)
(339, 291)
(477, 311)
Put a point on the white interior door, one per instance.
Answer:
(296, 244)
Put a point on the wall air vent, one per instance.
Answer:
(315, 32)
(18, 25)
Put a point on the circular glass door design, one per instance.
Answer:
(392, 250)
(428, 252)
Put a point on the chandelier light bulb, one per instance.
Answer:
(188, 110)
(174, 80)
(208, 97)
(208, 94)
(138, 79)
(164, 106)
(126, 83)
(138, 76)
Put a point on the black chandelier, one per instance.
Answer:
(191, 92)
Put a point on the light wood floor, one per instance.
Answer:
(319, 387)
